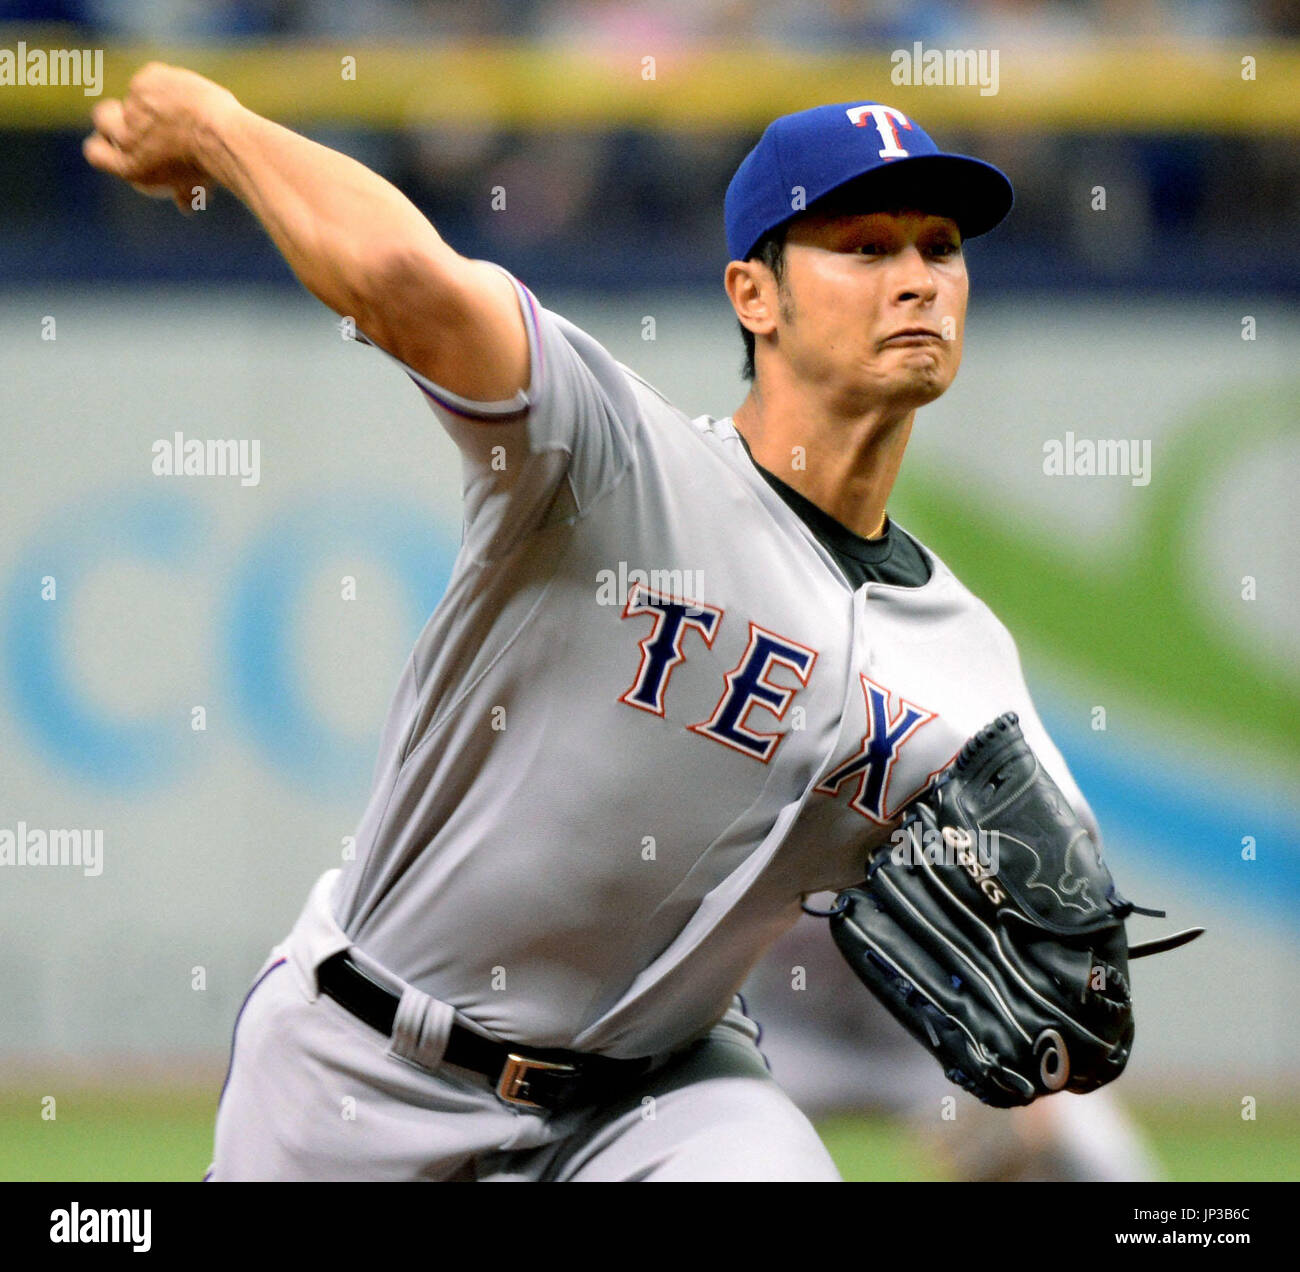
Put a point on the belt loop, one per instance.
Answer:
(421, 1028)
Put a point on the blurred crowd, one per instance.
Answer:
(630, 207)
(787, 23)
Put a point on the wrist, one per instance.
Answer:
(215, 118)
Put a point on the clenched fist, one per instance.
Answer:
(152, 137)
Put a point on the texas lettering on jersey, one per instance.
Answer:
(748, 686)
(873, 765)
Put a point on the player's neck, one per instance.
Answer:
(846, 466)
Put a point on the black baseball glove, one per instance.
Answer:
(991, 928)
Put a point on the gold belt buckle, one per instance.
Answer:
(514, 1078)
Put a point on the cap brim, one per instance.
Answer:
(971, 192)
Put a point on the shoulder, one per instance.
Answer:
(630, 387)
(672, 428)
(954, 596)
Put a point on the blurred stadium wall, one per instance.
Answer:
(128, 600)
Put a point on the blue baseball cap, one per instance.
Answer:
(873, 157)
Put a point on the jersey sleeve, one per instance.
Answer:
(551, 451)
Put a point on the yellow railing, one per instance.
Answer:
(1095, 89)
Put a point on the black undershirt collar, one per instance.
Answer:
(893, 558)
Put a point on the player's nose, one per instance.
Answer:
(912, 278)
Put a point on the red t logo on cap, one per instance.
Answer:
(884, 117)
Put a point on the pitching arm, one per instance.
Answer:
(353, 239)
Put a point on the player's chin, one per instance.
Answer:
(919, 384)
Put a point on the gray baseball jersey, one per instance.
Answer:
(649, 714)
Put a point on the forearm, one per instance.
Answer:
(353, 240)
(337, 224)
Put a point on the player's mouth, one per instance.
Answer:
(911, 336)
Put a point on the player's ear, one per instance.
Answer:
(751, 289)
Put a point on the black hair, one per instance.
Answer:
(770, 251)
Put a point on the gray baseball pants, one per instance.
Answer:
(314, 1093)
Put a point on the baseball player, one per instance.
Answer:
(592, 814)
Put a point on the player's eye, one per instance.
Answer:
(871, 249)
(945, 248)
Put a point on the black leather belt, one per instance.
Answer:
(534, 1078)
